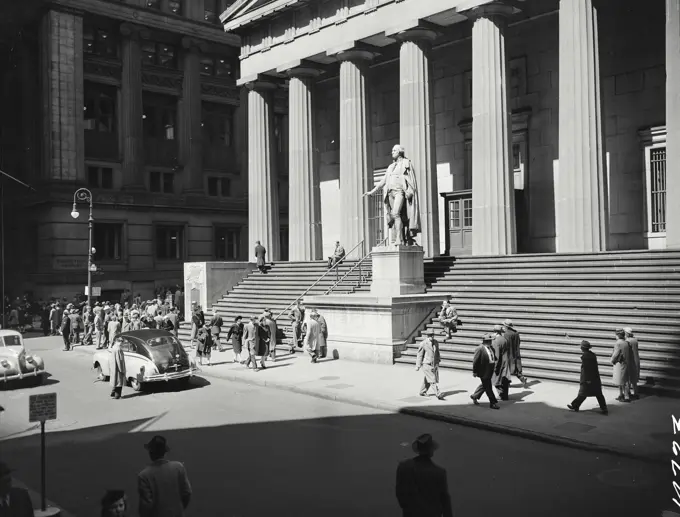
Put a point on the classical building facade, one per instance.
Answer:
(137, 101)
(534, 126)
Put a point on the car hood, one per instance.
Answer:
(12, 351)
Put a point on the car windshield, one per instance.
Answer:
(11, 340)
(164, 349)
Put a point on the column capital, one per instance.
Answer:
(135, 32)
(302, 68)
(414, 30)
(354, 51)
(500, 10)
(194, 45)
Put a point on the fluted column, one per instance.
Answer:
(355, 150)
(416, 126)
(131, 109)
(672, 123)
(581, 218)
(304, 202)
(190, 134)
(263, 200)
(493, 196)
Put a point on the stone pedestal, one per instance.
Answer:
(377, 327)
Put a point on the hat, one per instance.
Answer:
(497, 328)
(508, 323)
(628, 330)
(4, 469)
(585, 345)
(487, 337)
(619, 331)
(157, 443)
(112, 497)
(424, 444)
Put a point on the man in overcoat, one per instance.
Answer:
(512, 336)
(117, 369)
(422, 487)
(66, 330)
(428, 359)
(502, 375)
(14, 501)
(251, 339)
(622, 359)
(311, 341)
(323, 334)
(54, 320)
(483, 366)
(297, 316)
(272, 329)
(260, 256)
(590, 384)
(635, 367)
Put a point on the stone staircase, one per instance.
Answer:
(555, 301)
(278, 288)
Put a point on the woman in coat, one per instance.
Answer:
(117, 369)
(236, 334)
(622, 359)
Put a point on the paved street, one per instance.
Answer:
(254, 451)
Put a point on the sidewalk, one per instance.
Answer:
(641, 429)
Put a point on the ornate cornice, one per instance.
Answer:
(104, 68)
(163, 80)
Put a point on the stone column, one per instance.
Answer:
(190, 134)
(416, 126)
(355, 150)
(581, 218)
(263, 200)
(672, 123)
(131, 109)
(61, 54)
(493, 196)
(304, 202)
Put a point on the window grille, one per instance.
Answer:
(657, 191)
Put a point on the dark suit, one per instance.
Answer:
(483, 368)
(260, 254)
(422, 489)
(20, 504)
(590, 383)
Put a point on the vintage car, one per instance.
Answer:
(150, 356)
(15, 363)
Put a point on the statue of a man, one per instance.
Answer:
(400, 196)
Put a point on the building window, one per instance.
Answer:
(460, 214)
(108, 241)
(227, 243)
(219, 187)
(99, 42)
(100, 177)
(153, 4)
(162, 182)
(454, 214)
(216, 66)
(158, 54)
(159, 117)
(217, 125)
(175, 6)
(657, 190)
(99, 111)
(169, 242)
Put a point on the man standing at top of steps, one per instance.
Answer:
(512, 337)
(260, 254)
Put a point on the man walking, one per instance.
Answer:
(590, 384)
(502, 373)
(117, 369)
(163, 486)
(512, 337)
(622, 359)
(312, 337)
(483, 365)
(422, 487)
(260, 255)
(66, 330)
(251, 340)
(323, 334)
(635, 366)
(270, 326)
(429, 359)
(297, 316)
(54, 320)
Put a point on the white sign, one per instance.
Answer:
(42, 407)
(96, 291)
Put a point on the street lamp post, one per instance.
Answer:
(83, 194)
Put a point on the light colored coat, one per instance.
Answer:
(635, 365)
(117, 366)
(162, 486)
(622, 359)
(312, 337)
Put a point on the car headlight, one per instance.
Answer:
(30, 359)
(5, 363)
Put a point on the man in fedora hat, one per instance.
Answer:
(502, 373)
(590, 384)
(483, 366)
(512, 337)
(163, 486)
(622, 360)
(428, 359)
(635, 366)
(422, 487)
(14, 501)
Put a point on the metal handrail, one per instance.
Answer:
(357, 265)
(335, 267)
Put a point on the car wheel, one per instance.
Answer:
(135, 384)
(100, 373)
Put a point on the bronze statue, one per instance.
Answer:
(400, 197)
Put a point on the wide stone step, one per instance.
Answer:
(551, 303)
(563, 282)
(582, 292)
(571, 258)
(605, 313)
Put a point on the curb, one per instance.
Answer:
(35, 496)
(433, 415)
(451, 419)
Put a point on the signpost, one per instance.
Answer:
(41, 408)
(96, 290)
